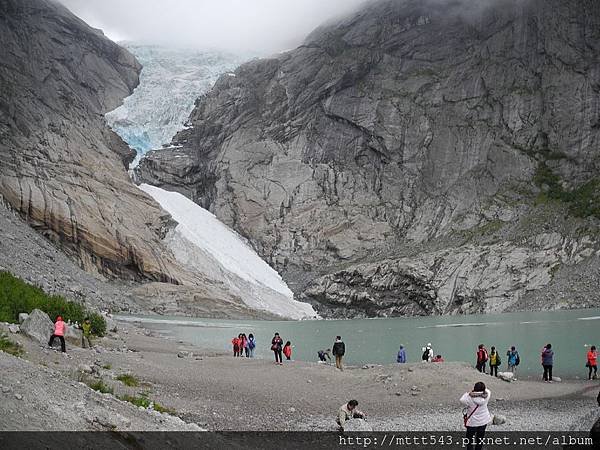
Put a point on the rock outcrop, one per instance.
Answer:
(38, 326)
(411, 158)
(61, 167)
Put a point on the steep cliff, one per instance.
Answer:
(61, 167)
(417, 157)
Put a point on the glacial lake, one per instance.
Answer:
(377, 340)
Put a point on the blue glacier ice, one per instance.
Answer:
(170, 82)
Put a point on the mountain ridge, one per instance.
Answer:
(412, 139)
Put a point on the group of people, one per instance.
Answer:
(60, 330)
(483, 357)
(244, 345)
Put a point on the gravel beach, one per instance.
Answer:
(218, 392)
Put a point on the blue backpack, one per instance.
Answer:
(251, 344)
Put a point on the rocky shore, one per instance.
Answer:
(213, 391)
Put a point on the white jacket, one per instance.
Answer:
(482, 415)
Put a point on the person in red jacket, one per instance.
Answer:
(236, 346)
(60, 328)
(287, 350)
(592, 362)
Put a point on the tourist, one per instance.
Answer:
(236, 346)
(60, 328)
(348, 411)
(513, 360)
(245, 344)
(401, 357)
(251, 345)
(339, 350)
(427, 353)
(477, 416)
(276, 346)
(482, 357)
(324, 354)
(592, 363)
(86, 335)
(287, 350)
(494, 361)
(547, 362)
(438, 359)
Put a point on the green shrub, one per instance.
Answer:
(583, 201)
(100, 386)
(128, 380)
(8, 346)
(143, 401)
(17, 296)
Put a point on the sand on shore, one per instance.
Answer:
(219, 392)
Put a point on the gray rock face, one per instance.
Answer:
(38, 326)
(61, 167)
(393, 163)
(23, 317)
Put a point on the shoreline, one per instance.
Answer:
(530, 371)
(215, 391)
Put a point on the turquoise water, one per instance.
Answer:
(377, 340)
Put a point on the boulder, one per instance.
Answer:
(506, 376)
(357, 425)
(13, 328)
(73, 335)
(23, 317)
(557, 379)
(38, 326)
(498, 419)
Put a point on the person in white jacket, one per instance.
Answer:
(477, 416)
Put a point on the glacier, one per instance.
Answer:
(170, 82)
(203, 243)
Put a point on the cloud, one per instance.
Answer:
(263, 26)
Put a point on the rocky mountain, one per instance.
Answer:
(61, 167)
(416, 157)
(64, 172)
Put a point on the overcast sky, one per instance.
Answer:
(263, 26)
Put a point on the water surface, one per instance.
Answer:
(377, 340)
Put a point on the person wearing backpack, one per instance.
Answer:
(592, 363)
(494, 361)
(476, 417)
(339, 350)
(251, 345)
(513, 360)
(547, 362)
(401, 357)
(482, 358)
(427, 355)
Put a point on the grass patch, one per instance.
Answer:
(128, 380)
(583, 201)
(10, 347)
(143, 401)
(107, 366)
(100, 386)
(17, 296)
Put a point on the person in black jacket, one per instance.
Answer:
(339, 349)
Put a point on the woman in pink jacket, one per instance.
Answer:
(60, 328)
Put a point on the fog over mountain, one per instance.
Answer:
(241, 25)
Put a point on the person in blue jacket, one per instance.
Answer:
(401, 358)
